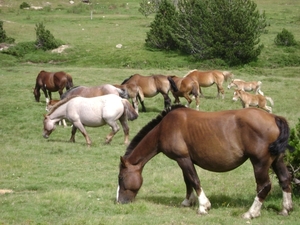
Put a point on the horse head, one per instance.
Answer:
(49, 126)
(36, 94)
(236, 94)
(130, 181)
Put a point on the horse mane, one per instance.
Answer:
(191, 71)
(126, 80)
(147, 128)
(64, 95)
(227, 74)
(61, 102)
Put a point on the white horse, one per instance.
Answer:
(91, 112)
(49, 105)
(246, 86)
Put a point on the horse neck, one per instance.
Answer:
(144, 151)
(58, 113)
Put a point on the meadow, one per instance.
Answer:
(56, 182)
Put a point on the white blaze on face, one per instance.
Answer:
(235, 97)
(117, 197)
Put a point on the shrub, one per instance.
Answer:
(293, 158)
(148, 7)
(21, 49)
(285, 38)
(24, 5)
(3, 36)
(44, 39)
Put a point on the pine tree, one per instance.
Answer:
(161, 33)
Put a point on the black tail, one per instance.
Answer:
(173, 85)
(281, 144)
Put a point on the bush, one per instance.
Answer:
(21, 49)
(148, 7)
(44, 39)
(24, 5)
(293, 158)
(285, 38)
(3, 37)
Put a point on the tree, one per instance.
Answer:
(207, 29)
(162, 28)
(44, 39)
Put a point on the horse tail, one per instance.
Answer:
(123, 93)
(173, 85)
(227, 75)
(124, 81)
(270, 100)
(281, 144)
(69, 81)
(130, 112)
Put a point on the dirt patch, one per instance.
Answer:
(4, 191)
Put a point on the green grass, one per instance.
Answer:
(57, 182)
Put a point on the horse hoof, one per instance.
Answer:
(284, 212)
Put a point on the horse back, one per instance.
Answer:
(210, 138)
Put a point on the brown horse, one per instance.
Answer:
(134, 92)
(208, 78)
(186, 87)
(152, 85)
(215, 141)
(246, 86)
(248, 99)
(51, 82)
(95, 91)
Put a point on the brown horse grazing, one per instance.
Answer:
(134, 92)
(246, 86)
(208, 78)
(186, 87)
(152, 85)
(248, 99)
(95, 91)
(215, 141)
(51, 82)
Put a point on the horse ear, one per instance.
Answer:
(123, 161)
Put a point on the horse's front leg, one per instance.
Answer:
(45, 93)
(192, 182)
(220, 91)
(79, 125)
(167, 100)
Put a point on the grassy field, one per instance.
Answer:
(57, 182)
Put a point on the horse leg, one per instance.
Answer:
(45, 93)
(142, 103)
(201, 93)
(220, 90)
(284, 178)
(167, 100)
(263, 187)
(187, 97)
(135, 104)
(78, 125)
(123, 121)
(192, 182)
(115, 128)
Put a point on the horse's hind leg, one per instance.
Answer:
(142, 103)
(167, 100)
(263, 187)
(115, 128)
(192, 182)
(284, 178)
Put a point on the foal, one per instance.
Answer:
(246, 86)
(248, 99)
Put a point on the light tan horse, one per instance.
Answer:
(208, 78)
(134, 92)
(186, 87)
(152, 85)
(246, 86)
(248, 99)
(49, 106)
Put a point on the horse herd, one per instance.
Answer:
(215, 141)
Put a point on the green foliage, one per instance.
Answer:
(44, 39)
(148, 7)
(24, 5)
(21, 49)
(228, 30)
(163, 27)
(294, 158)
(285, 38)
(3, 36)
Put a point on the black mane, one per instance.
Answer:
(126, 80)
(147, 128)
